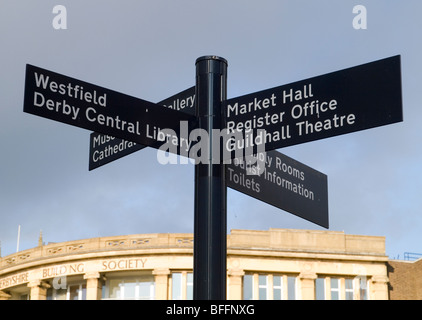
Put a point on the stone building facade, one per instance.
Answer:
(275, 264)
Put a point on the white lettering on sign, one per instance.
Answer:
(306, 127)
(275, 171)
(251, 106)
(108, 151)
(92, 115)
(297, 94)
(180, 104)
(92, 98)
(309, 109)
(291, 113)
(256, 122)
(57, 106)
(101, 139)
(70, 90)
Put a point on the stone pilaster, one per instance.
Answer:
(38, 289)
(161, 276)
(307, 285)
(93, 285)
(379, 288)
(235, 284)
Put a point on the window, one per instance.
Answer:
(349, 289)
(24, 296)
(131, 288)
(320, 288)
(262, 287)
(277, 287)
(182, 283)
(335, 288)
(248, 287)
(176, 291)
(73, 291)
(267, 286)
(291, 288)
(363, 288)
(189, 286)
(341, 288)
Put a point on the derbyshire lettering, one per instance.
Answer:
(14, 280)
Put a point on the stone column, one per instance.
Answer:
(235, 284)
(307, 285)
(161, 283)
(93, 285)
(379, 288)
(38, 289)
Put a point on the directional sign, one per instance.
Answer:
(281, 181)
(105, 149)
(78, 103)
(284, 183)
(337, 103)
(183, 101)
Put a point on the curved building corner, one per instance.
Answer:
(277, 264)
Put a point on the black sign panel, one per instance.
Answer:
(183, 101)
(284, 183)
(78, 103)
(105, 149)
(337, 103)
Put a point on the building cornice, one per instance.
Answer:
(287, 243)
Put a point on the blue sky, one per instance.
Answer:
(148, 49)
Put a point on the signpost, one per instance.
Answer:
(284, 183)
(341, 102)
(78, 103)
(210, 220)
(105, 149)
(336, 103)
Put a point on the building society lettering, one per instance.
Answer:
(63, 270)
(123, 264)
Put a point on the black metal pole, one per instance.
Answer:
(210, 221)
